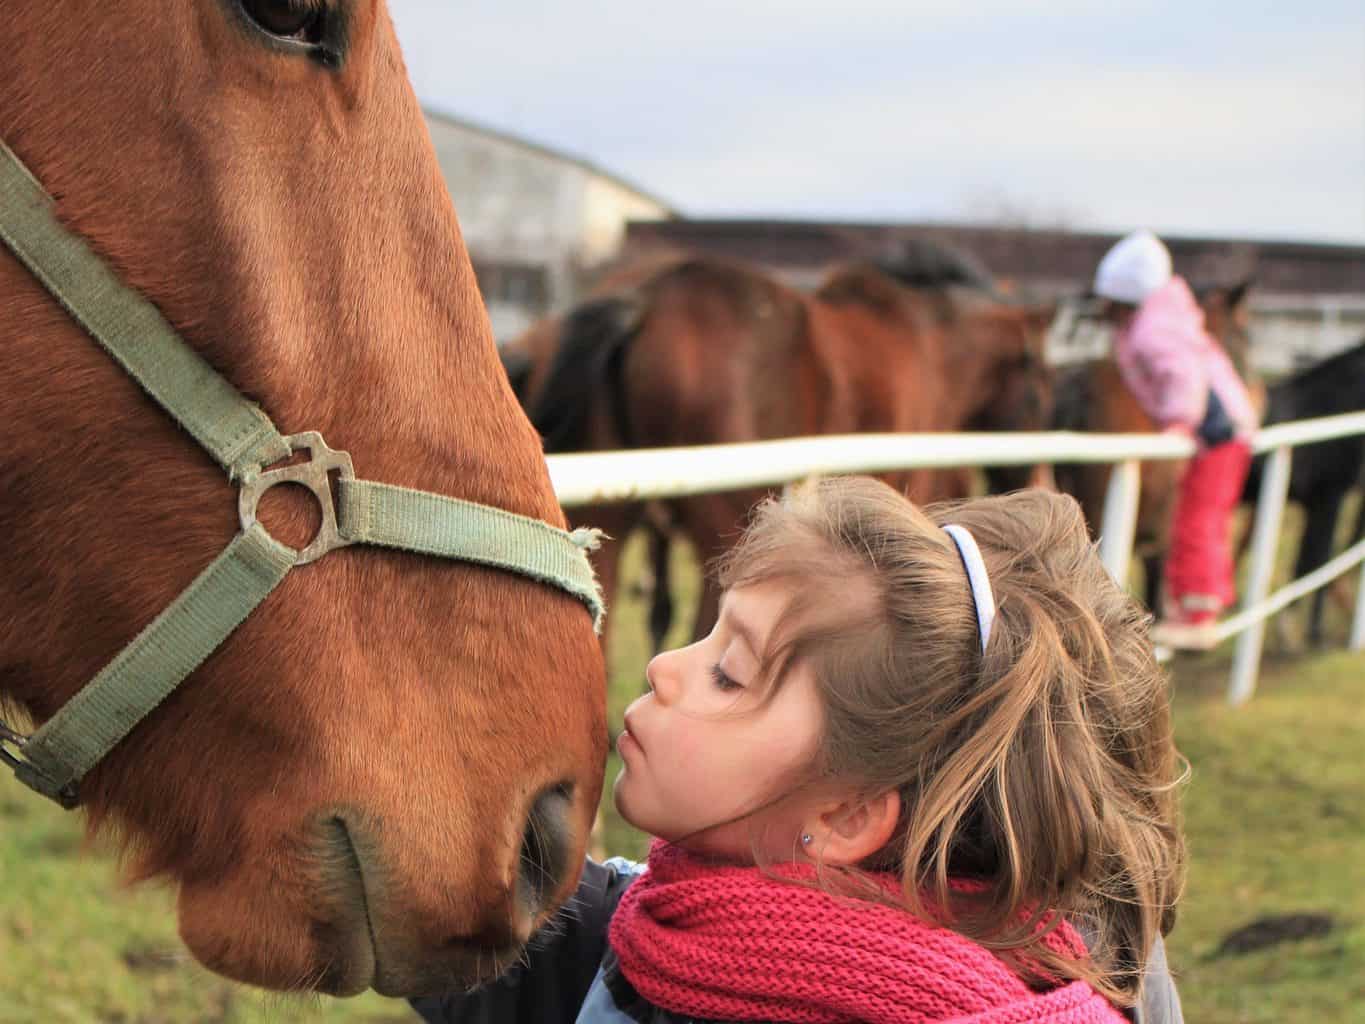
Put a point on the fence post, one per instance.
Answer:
(1120, 519)
(1357, 640)
(1331, 326)
(1265, 538)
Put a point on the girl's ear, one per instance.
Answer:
(849, 832)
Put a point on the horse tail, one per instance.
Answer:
(589, 361)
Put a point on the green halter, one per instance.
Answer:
(241, 438)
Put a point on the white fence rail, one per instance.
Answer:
(605, 477)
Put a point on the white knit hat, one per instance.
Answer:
(1133, 269)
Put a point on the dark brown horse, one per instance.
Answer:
(708, 352)
(1321, 475)
(345, 792)
(1092, 396)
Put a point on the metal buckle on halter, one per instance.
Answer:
(313, 474)
(14, 739)
(30, 774)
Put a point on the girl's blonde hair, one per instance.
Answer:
(1042, 772)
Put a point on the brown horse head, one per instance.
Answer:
(1016, 382)
(994, 345)
(386, 776)
(1227, 316)
(983, 359)
(1013, 389)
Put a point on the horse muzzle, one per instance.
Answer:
(381, 936)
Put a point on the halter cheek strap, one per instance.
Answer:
(975, 565)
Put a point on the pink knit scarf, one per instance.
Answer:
(736, 943)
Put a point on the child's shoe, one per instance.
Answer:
(1190, 623)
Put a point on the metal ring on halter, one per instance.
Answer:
(313, 474)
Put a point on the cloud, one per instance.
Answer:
(1185, 150)
(889, 109)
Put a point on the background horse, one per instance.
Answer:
(1321, 475)
(709, 352)
(1017, 390)
(698, 352)
(386, 777)
(1092, 396)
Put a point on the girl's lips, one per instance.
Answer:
(628, 737)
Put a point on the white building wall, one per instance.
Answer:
(512, 201)
(533, 220)
(607, 207)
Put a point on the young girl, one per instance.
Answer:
(921, 770)
(1187, 383)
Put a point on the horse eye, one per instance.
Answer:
(301, 20)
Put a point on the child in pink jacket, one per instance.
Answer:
(1185, 381)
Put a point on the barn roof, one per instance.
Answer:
(549, 152)
(1050, 259)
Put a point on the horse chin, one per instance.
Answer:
(295, 919)
(463, 969)
(332, 908)
(353, 967)
(336, 940)
(238, 934)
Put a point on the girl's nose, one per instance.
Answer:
(661, 674)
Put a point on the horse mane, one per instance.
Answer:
(925, 263)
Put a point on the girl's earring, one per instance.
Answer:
(806, 838)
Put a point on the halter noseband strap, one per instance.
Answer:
(241, 438)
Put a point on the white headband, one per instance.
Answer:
(977, 577)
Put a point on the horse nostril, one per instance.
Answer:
(545, 847)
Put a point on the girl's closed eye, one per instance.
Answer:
(723, 680)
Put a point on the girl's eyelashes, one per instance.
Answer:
(723, 681)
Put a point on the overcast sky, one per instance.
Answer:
(1233, 117)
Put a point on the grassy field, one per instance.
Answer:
(1275, 813)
